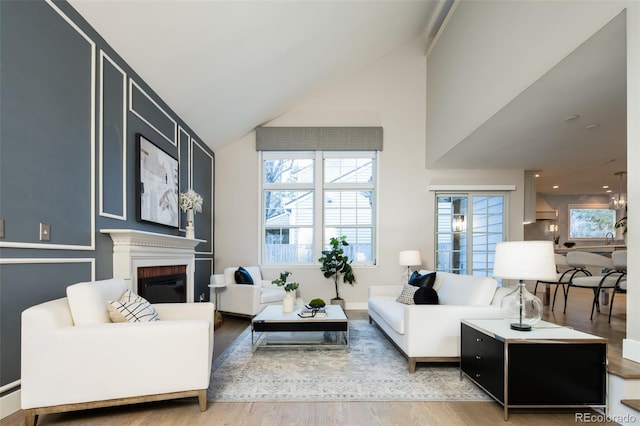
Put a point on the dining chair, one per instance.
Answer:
(613, 274)
(563, 278)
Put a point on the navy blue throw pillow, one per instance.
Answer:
(242, 276)
(425, 281)
(425, 296)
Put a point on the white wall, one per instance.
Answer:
(491, 51)
(390, 93)
(631, 345)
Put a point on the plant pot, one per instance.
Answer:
(339, 301)
(288, 302)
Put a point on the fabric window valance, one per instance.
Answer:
(319, 138)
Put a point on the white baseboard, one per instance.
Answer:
(631, 349)
(9, 404)
(356, 306)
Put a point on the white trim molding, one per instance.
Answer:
(123, 216)
(467, 188)
(175, 124)
(195, 143)
(92, 141)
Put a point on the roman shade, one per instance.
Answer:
(319, 138)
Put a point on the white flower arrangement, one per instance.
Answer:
(190, 200)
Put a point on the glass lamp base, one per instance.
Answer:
(520, 327)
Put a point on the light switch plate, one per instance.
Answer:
(45, 232)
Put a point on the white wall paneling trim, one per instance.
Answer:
(194, 143)
(92, 141)
(10, 403)
(122, 216)
(175, 124)
(181, 131)
(467, 188)
(35, 261)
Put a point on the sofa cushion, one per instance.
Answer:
(468, 290)
(242, 276)
(406, 297)
(425, 296)
(131, 308)
(423, 280)
(88, 300)
(271, 295)
(389, 310)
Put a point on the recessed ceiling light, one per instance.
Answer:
(555, 186)
(605, 186)
(571, 117)
(592, 126)
(537, 175)
(608, 191)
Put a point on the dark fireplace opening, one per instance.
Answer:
(163, 284)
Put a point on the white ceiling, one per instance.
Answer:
(228, 66)
(531, 132)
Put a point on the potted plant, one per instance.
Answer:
(336, 263)
(289, 288)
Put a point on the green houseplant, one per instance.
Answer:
(282, 282)
(336, 263)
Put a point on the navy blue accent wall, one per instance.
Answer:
(67, 158)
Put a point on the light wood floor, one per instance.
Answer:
(186, 412)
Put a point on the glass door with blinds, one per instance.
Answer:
(468, 227)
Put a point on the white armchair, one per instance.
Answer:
(247, 299)
(73, 357)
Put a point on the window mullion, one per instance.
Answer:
(318, 224)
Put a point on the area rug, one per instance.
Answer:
(371, 369)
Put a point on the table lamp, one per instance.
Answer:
(524, 260)
(409, 258)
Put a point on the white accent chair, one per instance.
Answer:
(74, 358)
(247, 299)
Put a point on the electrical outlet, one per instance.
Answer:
(1, 227)
(45, 232)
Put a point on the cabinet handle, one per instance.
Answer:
(478, 357)
(478, 339)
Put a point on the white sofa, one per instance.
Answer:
(247, 299)
(431, 333)
(73, 357)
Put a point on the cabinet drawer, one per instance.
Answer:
(482, 359)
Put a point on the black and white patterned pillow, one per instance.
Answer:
(131, 308)
(407, 294)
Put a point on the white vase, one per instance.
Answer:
(191, 230)
(288, 302)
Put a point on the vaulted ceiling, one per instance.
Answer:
(228, 66)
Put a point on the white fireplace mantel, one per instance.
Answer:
(134, 249)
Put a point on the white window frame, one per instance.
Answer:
(469, 221)
(318, 187)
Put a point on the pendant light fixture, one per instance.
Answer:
(619, 201)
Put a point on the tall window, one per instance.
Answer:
(468, 227)
(309, 197)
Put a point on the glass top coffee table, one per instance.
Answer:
(278, 329)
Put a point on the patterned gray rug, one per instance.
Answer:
(371, 369)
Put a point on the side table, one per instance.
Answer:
(550, 366)
(217, 284)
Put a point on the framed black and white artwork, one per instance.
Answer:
(157, 184)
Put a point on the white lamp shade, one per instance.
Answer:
(409, 258)
(525, 260)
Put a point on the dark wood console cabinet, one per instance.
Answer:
(550, 366)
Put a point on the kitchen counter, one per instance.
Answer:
(607, 248)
